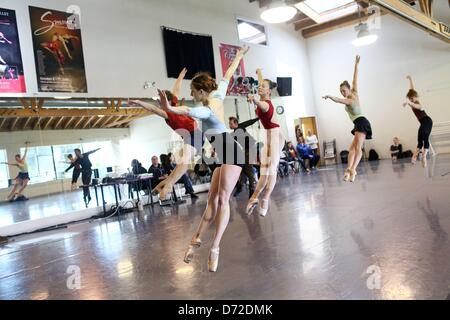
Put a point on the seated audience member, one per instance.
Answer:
(312, 141)
(283, 166)
(396, 150)
(305, 152)
(137, 169)
(157, 171)
(293, 156)
(169, 166)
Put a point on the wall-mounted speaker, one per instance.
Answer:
(284, 86)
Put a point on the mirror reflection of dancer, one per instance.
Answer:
(271, 152)
(3, 67)
(362, 129)
(86, 171)
(22, 178)
(426, 123)
(76, 171)
(186, 126)
(54, 47)
(205, 90)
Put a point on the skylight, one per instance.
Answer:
(325, 10)
(321, 6)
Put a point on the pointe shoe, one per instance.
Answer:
(347, 175)
(196, 242)
(263, 211)
(353, 175)
(189, 254)
(251, 206)
(213, 260)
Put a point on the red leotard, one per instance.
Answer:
(177, 121)
(266, 117)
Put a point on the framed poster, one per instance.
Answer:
(12, 79)
(240, 85)
(58, 51)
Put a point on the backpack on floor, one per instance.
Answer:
(344, 156)
(373, 155)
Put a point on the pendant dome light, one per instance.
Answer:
(363, 37)
(278, 12)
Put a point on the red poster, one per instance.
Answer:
(239, 84)
(12, 79)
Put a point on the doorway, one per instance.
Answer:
(308, 123)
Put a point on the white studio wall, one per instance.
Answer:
(400, 50)
(123, 45)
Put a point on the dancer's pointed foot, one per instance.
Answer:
(189, 254)
(353, 175)
(252, 203)
(213, 260)
(347, 175)
(263, 207)
(424, 162)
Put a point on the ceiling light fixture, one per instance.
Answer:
(364, 37)
(278, 12)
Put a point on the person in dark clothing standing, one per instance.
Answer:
(240, 134)
(86, 171)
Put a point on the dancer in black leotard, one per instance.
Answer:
(86, 171)
(426, 123)
(76, 171)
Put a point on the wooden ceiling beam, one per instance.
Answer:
(58, 123)
(305, 23)
(122, 122)
(56, 112)
(47, 123)
(99, 119)
(78, 123)
(26, 123)
(37, 124)
(2, 123)
(68, 122)
(13, 124)
(87, 122)
(335, 24)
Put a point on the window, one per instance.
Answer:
(252, 32)
(4, 172)
(60, 154)
(103, 158)
(40, 164)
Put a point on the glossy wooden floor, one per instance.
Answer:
(319, 240)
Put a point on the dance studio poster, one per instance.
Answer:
(12, 79)
(239, 84)
(58, 51)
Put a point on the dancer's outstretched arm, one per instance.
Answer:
(26, 151)
(355, 75)
(338, 100)
(150, 107)
(235, 64)
(177, 87)
(10, 164)
(411, 84)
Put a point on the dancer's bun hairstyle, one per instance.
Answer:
(412, 94)
(204, 81)
(345, 84)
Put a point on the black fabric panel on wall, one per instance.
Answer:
(188, 50)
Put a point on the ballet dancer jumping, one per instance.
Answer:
(230, 154)
(185, 126)
(362, 129)
(426, 123)
(271, 152)
(22, 178)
